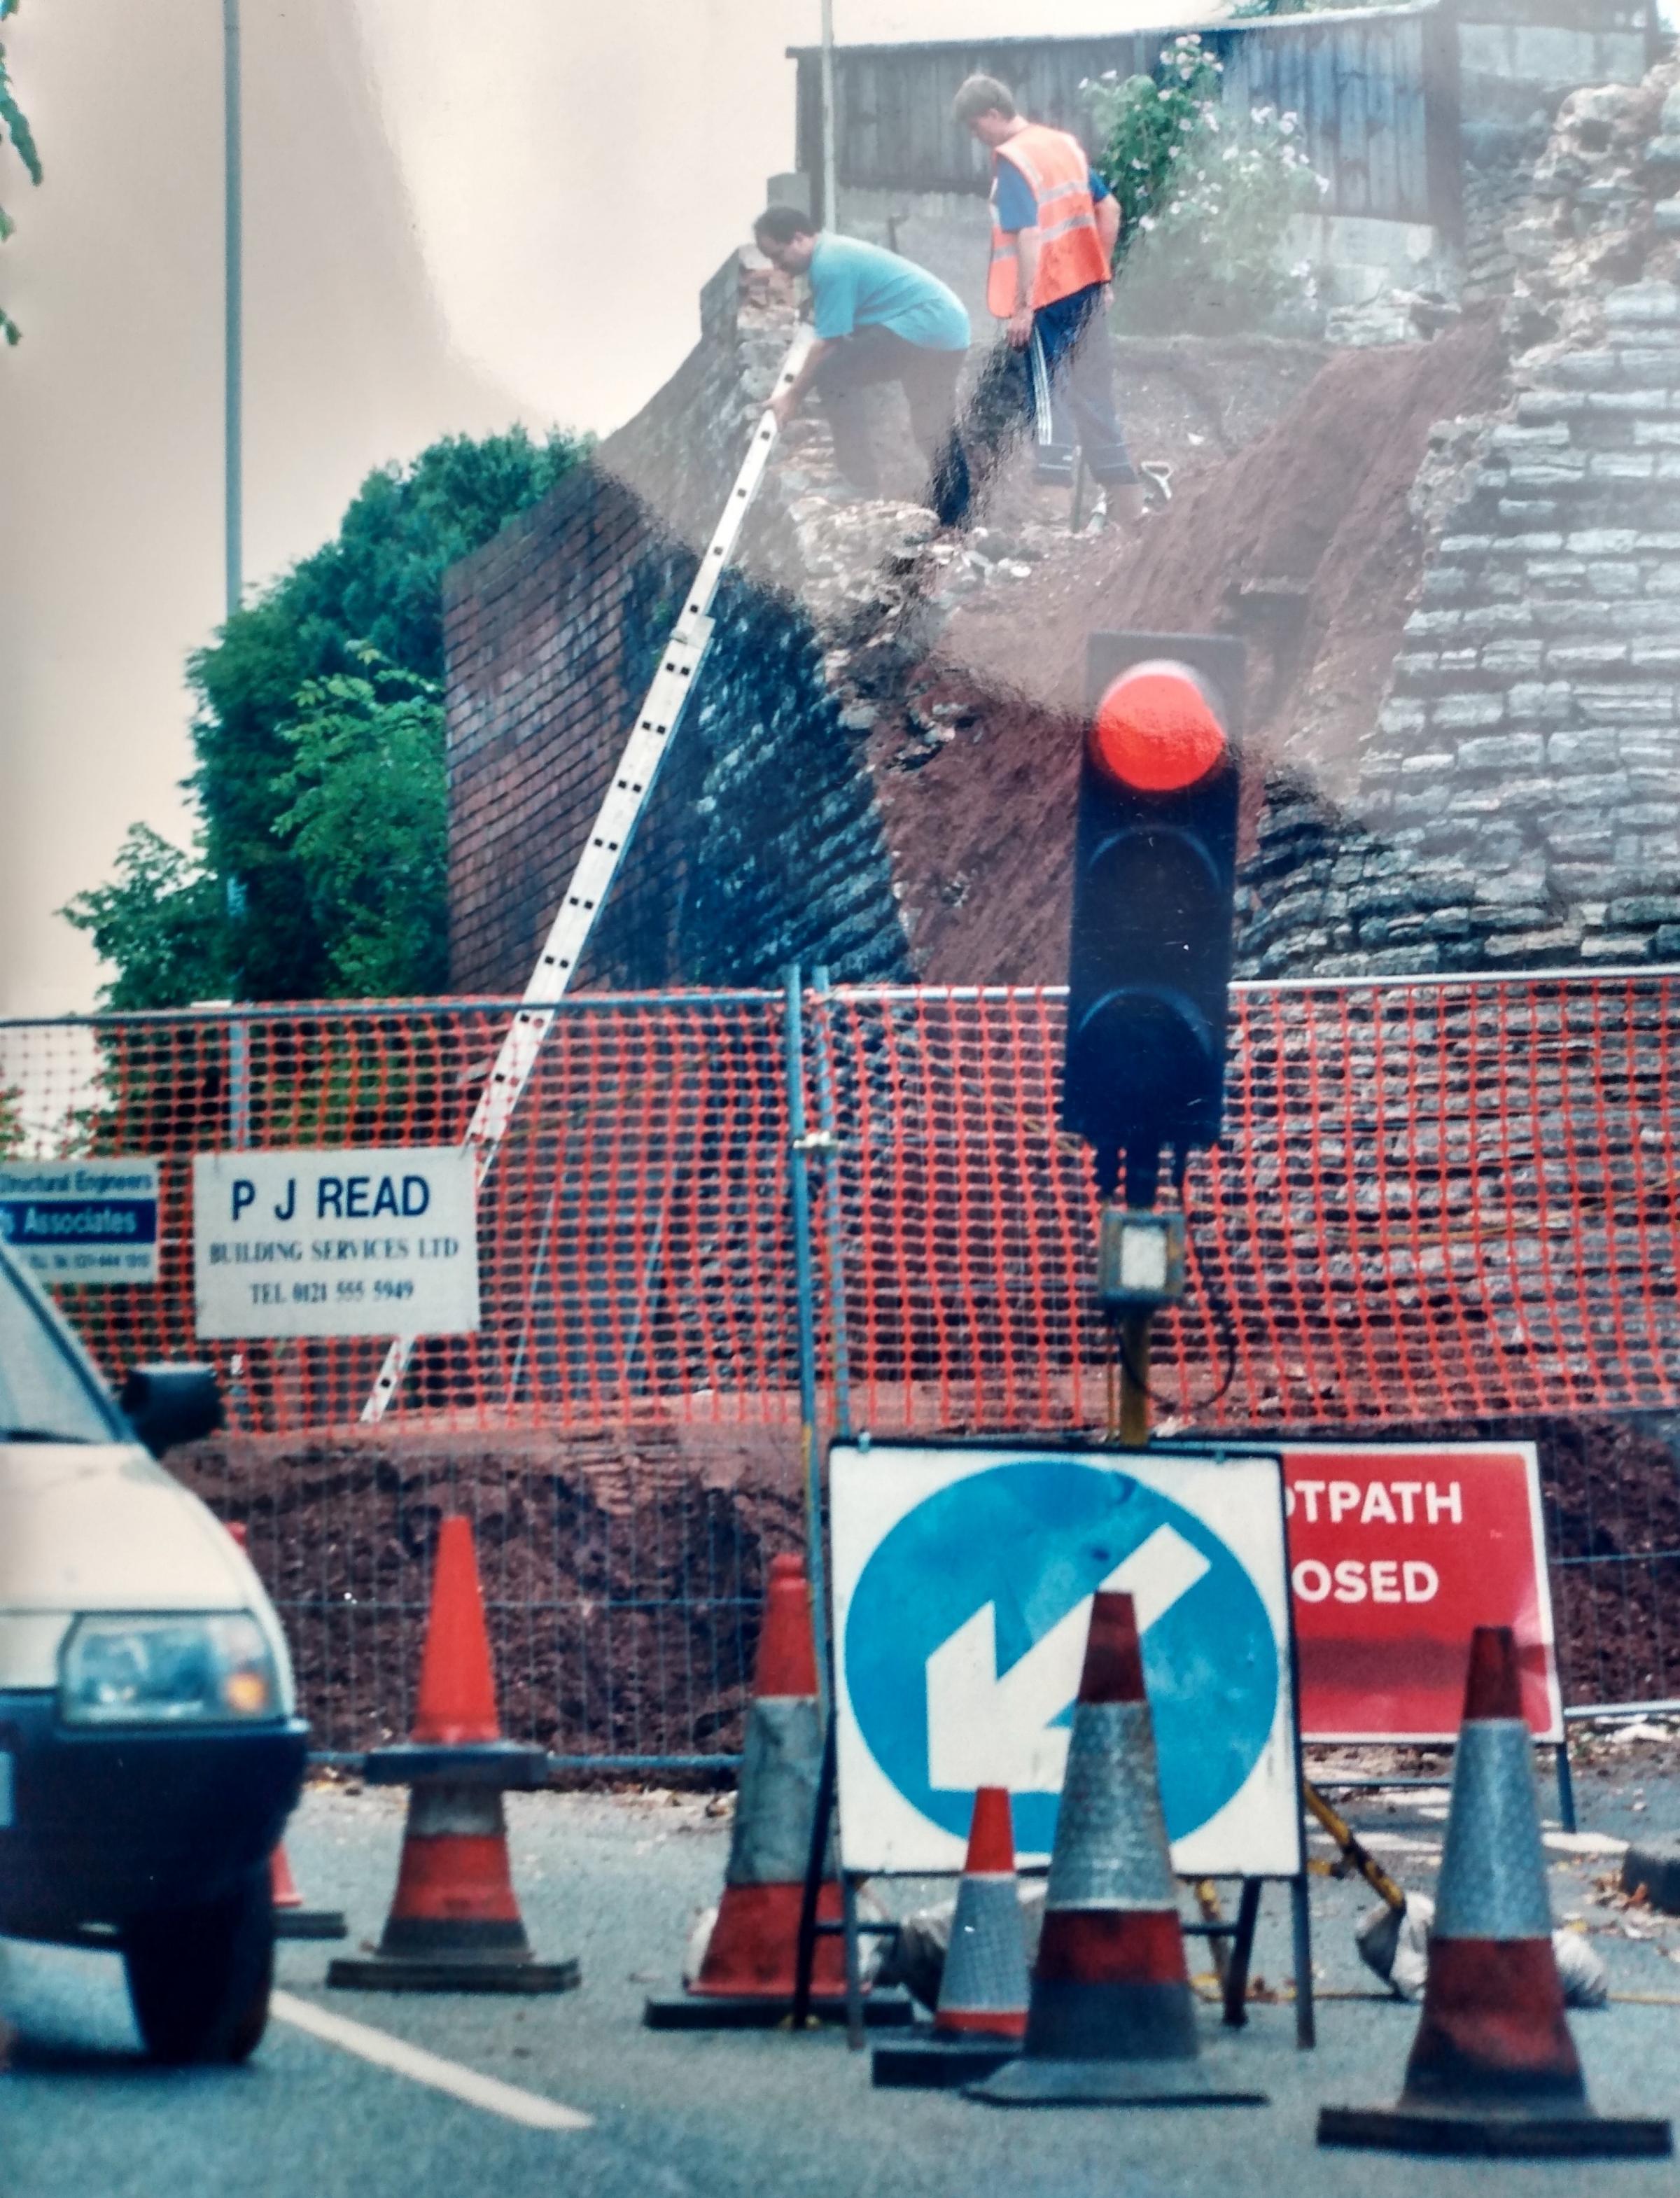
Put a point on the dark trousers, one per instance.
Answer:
(929, 378)
(1062, 387)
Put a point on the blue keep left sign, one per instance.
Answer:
(963, 1579)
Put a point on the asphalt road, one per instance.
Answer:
(615, 1881)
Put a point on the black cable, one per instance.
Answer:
(1219, 1311)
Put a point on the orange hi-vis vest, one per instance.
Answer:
(1070, 251)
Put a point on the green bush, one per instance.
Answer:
(1205, 202)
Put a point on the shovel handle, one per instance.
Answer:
(1365, 1863)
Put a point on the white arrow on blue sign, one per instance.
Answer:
(963, 1576)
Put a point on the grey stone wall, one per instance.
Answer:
(1517, 804)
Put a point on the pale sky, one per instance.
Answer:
(456, 217)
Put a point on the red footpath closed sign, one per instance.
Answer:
(1396, 1552)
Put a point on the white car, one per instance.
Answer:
(150, 1754)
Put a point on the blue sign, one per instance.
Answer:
(84, 1221)
(964, 1631)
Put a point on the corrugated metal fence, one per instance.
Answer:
(1376, 91)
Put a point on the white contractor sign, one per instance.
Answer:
(336, 1243)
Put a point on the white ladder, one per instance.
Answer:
(627, 797)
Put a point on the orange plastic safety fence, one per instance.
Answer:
(1449, 1199)
(632, 1235)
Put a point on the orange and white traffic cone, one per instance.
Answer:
(454, 1924)
(291, 1919)
(749, 1974)
(1111, 2021)
(1493, 2067)
(981, 2016)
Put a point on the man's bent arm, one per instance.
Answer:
(788, 403)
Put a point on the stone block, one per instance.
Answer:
(1542, 703)
(1508, 437)
(1532, 949)
(1621, 465)
(1445, 584)
(1574, 751)
(1492, 619)
(1602, 541)
(1513, 660)
(1656, 434)
(1644, 304)
(1632, 704)
(1401, 714)
(1575, 657)
(1643, 909)
(1563, 470)
(1665, 942)
(1502, 752)
(1602, 403)
(1614, 949)
(1466, 712)
(1430, 762)
(1588, 369)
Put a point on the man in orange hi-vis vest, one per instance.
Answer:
(1054, 223)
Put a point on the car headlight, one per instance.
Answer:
(213, 1669)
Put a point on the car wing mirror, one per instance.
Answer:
(167, 1405)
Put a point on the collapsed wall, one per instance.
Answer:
(762, 841)
(1514, 804)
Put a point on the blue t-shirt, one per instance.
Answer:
(1013, 204)
(854, 285)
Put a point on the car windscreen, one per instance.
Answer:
(48, 1393)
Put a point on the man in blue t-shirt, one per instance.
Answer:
(878, 318)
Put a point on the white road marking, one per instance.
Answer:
(420, 2066)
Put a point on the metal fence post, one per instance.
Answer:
(804, 1284)
(841, 1362)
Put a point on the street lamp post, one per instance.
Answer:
(233, 305)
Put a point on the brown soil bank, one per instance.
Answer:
(624, 1570)
(1306, 543)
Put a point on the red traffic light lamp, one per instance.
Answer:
(1153, 896)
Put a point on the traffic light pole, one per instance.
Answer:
(1131, 1337)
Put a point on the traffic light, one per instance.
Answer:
(1154, 882)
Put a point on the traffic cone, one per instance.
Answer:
(981, 2016)
(1493, 2068)
(1111, 2020)
(454, 1924)
(749, 1976)
(291, 1919)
